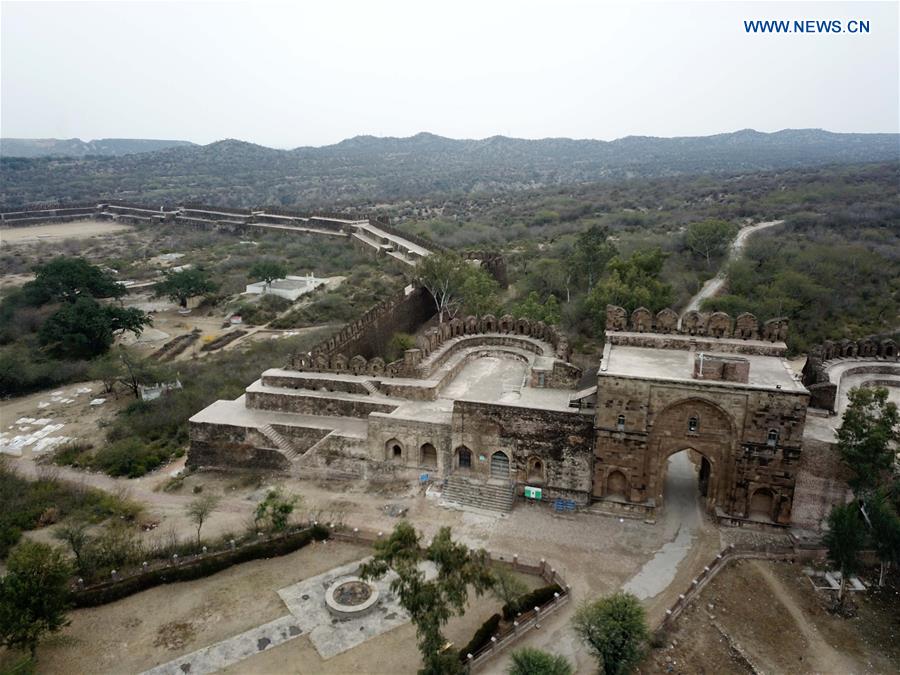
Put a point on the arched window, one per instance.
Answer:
(620, 423)
(464, 457)
(393, 450)
(693, 424)
(772, 439)
(535, 471)
(428, 456)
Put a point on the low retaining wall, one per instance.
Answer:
(194, 567)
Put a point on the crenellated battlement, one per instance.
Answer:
(714, 325)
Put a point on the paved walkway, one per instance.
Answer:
(682, 516)
(308, 617)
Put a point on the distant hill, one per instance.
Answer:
(368, 169)
(75, 147)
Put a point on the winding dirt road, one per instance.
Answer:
(714, 285)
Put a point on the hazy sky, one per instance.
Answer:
(312, 73)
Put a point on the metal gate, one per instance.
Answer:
(499, 465)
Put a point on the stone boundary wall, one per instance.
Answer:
(383, 223)
(700, 344)
(717, 564)
(330, 355)
(194, 566)
(817, 378)
(717, 324)
(367, 336)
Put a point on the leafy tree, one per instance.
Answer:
(884, 524)
(507, 588)
(871, 423)
(530, 661)
(592, 252)
(709, 237)
(430, 603)
(268, 271)
(85, 328)
(844, 539)
(532, 308)
(615, 630)
(65, 279)
(200, 509)
(181, 286)
(478, 291)
(631, 283)
(33, 595)
(275, 510)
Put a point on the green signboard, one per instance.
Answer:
(533, 493)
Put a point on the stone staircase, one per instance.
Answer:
(494, 495)
(315, 446)
(371, 388)
(280, 441)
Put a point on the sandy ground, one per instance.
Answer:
(769, 614)
(79, 229)
(82, 420)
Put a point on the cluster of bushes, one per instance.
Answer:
(128, 457)
(262, 312)
(117, 547)
(481, 638)
(536, 598)
(30, 504)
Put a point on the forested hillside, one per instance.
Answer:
(75, 147)
(365, 170)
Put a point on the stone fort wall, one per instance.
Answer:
(715, 325)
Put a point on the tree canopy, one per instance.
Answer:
(592, 251)
(33, 595)
(870, 425)
(66, 279)
(530, 661)
(631, 283)
(708, 238)
(85, 328)
(432, 602)
(267, 270)
(845, 539)
(185, 284)
(454, 282)
(615, 630)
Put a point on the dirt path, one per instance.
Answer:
(714, 285)
(824, 658)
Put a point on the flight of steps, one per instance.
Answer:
(493, 496)
(369, 387)
(280, 441)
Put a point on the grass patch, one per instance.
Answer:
(27, 504)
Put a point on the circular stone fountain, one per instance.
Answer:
(350, 597)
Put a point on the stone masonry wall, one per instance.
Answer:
(732, 433)
(560, 440)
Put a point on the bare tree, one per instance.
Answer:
(200, 510)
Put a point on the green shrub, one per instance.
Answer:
(73, 454)
(28, 504)
(537, 598)
(482, 637)
(131, 457)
